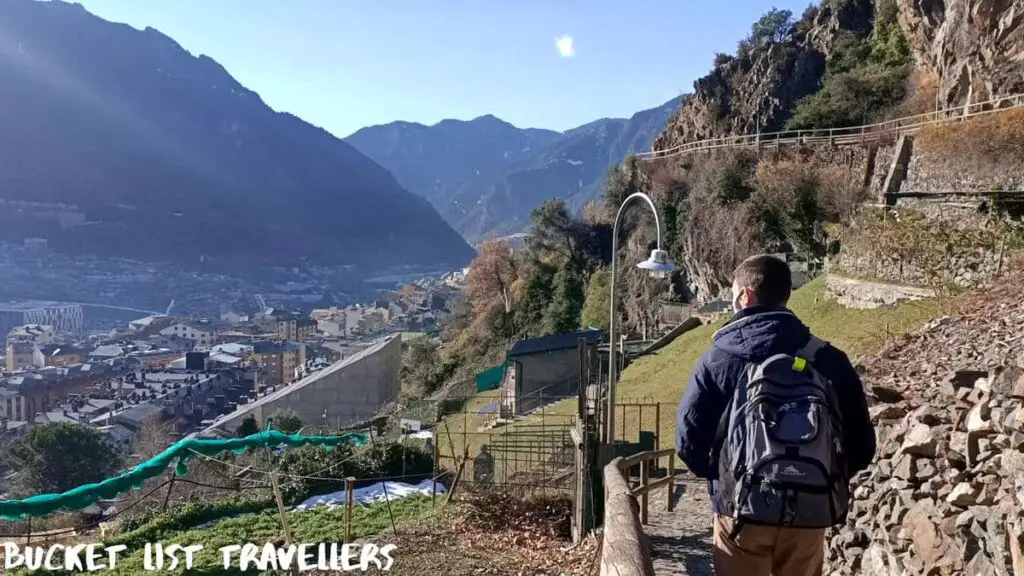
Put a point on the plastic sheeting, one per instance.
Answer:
(182, 452)
(373, 493)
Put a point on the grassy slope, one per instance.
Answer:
(313, 526)
(661, 377)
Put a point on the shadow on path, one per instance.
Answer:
(681, 540)
(689, 553)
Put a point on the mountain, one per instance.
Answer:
(165, 156)
(485, 175)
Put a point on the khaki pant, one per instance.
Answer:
(766, 550)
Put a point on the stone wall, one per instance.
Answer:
(866, 164)
(982, 154)
(351, 390)
(906, 247)
(864, 294)
(931, 172)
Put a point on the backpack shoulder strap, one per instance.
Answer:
(810, 350)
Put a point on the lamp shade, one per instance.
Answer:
(658, 264)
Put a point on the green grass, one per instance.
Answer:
(660, 378)
(310, 527)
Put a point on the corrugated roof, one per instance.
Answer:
(553, 342)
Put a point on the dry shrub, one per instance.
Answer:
(991, 140)
(837, 192)
(716, 239)
(597, 213)
(922, 91)
(498, 510)
(666, 178)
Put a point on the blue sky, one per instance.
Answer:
(345, 64)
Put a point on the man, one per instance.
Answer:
(761, 328)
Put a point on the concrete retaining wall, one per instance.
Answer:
(863, 294)
(351, 390)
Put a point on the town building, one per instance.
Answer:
(294, 327)
(200, 333)
(20, 355)
(64, 317)
(40, 334)
(276, 362)
(330, 321)
(59, 355)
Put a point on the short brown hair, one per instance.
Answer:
(767, 276)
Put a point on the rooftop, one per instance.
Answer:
(30, 305)
(553, 342)
(274, 347)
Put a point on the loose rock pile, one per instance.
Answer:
(946, 491)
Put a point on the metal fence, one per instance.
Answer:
(532, 450)
(870, 133)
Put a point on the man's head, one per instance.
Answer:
(761, 280)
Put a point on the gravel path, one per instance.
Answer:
(681, 540)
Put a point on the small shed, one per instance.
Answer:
(542, 370)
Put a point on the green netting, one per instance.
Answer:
(183, 451)
(490, 379)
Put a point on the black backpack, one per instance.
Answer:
(781, 460)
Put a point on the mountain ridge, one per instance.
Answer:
(485, 175)
(169, 150)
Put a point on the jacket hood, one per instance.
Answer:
(759, 332)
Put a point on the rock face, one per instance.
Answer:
(975, 46)
(758, 88)
(946, 491)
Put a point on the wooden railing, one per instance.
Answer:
(625, 550)
(869, 133)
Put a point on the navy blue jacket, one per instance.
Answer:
(753, 335)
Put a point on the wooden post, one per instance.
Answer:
(167, 498)
(640, 425)
(451, 444)
(657, 427)
(349, 485)
(645, 466)
(671, 481)
(624, 548)
(279, 498)
(455, 483)
(433, 481)
(623, 435)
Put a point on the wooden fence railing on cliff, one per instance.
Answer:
(625, 550)
(853, 135)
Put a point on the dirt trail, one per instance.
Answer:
(681, 539)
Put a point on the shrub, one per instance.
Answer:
(596, 306)
(795, 199)
(984, 142)
(852, 98)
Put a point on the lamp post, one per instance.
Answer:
(659, 267)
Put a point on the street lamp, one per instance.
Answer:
(659, 267)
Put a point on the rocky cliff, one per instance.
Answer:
(946, 491)
(975, 46)
(757, 89)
